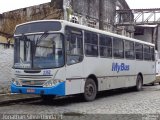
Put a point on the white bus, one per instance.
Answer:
(58, 58)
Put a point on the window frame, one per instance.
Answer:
(105, 46)
(91, 44)
(146, 53)
(113, 48)
(137, 43)
(133, 50)
(70, 32)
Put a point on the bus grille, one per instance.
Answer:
(36, 81)
(32, 82)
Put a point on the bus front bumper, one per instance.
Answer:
(55, 90)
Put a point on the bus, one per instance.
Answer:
(60, 58)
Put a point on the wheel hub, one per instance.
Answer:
(89, 90)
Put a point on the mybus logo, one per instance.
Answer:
(120, 67)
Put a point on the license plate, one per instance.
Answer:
(30, 90)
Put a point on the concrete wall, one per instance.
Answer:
(6, 63)
(98, 12)
(93, 13)
(108, 13)
(124, 30)
(148, 35)
(3, 43)
(52, 10)
(86, 7)
(3, 39)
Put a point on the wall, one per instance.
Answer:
(86, 7)
(124, 30)
(107, 15)
(6, 63)
(94, 13)
(3, 42)
(3, 39)
(52, 10)
(147, 36)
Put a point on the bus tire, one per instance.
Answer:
(90, 90)
(47, 97)
(139, 83)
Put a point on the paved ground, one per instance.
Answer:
(124, 101)
(6, 99)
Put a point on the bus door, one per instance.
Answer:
(74, 57)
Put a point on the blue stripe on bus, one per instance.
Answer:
(56, 90)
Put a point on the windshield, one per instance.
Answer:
(39, 51)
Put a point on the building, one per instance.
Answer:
(149, 33)
(99, 14)
(6, 40)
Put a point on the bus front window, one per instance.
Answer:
(42, 51)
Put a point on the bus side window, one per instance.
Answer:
(129, 50)
(91, 44)
(139, 51)
(118, 48)
(147, 52)
(105, 46)
(74, 47)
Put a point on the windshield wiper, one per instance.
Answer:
(44, 35)
(35, 44)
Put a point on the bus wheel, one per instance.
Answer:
(90, 90)
(47, 97)
(139, 83)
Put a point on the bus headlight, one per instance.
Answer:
(48, 83)
(15, 82)
(51, 83)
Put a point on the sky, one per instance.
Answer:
(138, 4)
(9, 5)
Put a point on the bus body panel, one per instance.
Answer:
(74, 77)
(108, 77)
(75, 86)
(147, 69)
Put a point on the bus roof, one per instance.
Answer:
(67, 23)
